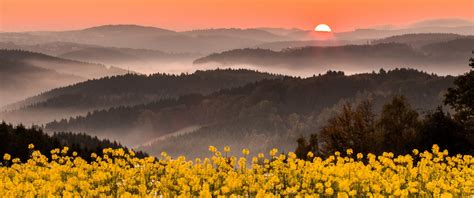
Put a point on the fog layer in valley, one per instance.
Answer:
(156, 89)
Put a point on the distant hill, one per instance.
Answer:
(261, 115)
(280, 31)
(419, 40)
(140, 37)
(124, 90)
(252, 34)
(445, 26)
(451, 50)
(356, 58)
(19, 79)
(443, 22)
(373, 34)
(127, 29)
(140, 60)
(26, 73)
(82, 69)
(281, 45)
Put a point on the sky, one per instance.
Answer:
(341, 15)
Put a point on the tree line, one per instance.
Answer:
(15, 140)
(398, 127)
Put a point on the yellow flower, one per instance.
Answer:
(6, 157)
(16, 160)
(415, 152)
(225, 189)
(65, 150)
(245, 151)
(31, 146)
(273, 152)
(353, 193)
(446, 195)
(226, 149)
(329, 191)
(349, 151)
(118, 173)
(342, 195)
(212, 149)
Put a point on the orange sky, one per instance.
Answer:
(341, 15)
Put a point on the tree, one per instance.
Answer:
(305, 147)
(441, 129)
(302, 149)
(351, 128)
(461, 97)
(398, 125)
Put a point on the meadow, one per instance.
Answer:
(119, 173)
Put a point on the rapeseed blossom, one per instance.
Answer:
(118, 173)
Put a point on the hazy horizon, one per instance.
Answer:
(341, 15)
(381, 26)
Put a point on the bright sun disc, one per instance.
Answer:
(322, 28)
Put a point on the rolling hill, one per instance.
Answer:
(124, 90)
(261, 115)
(27, 73)
(139, 60)
(350, 58)
(19, 80)
(420, 40)
(82, 69)
(152, 38)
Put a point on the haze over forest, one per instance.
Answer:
(157, 89)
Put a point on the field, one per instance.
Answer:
(118, 173)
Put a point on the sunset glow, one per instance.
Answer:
(343, 15)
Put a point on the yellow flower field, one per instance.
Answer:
(119, 174)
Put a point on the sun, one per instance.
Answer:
(322, 28)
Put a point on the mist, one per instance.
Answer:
(155, 89)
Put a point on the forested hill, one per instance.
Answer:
(420, 40)
(354, 57)
(126, 90)
(260, 115)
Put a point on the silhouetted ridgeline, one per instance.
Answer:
(134, 59)
(141, 37)
(126, 90)
(84, 70)
(421, 39)
(20, 78)
(441, 57)
(15, 140)
(306, 56)
(23, 73)
(261, 115)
